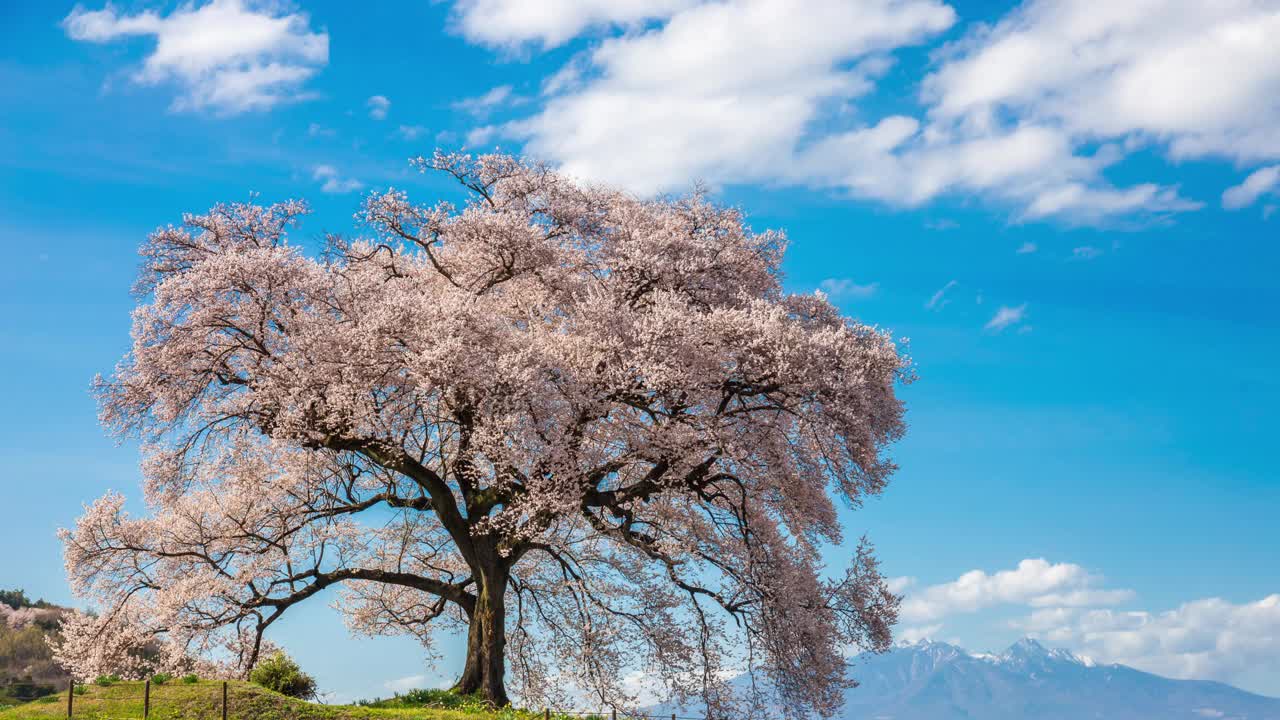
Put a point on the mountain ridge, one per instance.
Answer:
(938, 681)
(931, 680)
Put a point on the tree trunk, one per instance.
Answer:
(486, 666)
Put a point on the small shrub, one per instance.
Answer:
(190, 679)
(106, 680)
(161, 678)
(436, 699)
(21, 690)
(433, 698)
(81, 689)
(280, 673)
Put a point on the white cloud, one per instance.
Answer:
(411, 132)
(1028, 112)
(899, 585)
(486, 103)
(318, 130)
(643, 687)
(1209, 638)
(1261, 182)
(1082, 597)
(1086, 252)
(332, 180)
(1044, 619)
(415, 682)
(917, 633)
(939, 299)
(405, 684)
(1196, 75)
(903, 162)
(1092, 204)
(378, 106)
(1195, 78)
(1006, 316)
(1034, 582)
(722, 92)
(847, 288)
(1026, 248)
(552, 22)
(229, 56)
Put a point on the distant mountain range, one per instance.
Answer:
(937, 681)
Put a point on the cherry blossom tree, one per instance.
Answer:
(589, 431)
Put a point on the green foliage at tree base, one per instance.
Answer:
(280, 673)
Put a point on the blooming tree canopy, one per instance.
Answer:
(588, 430)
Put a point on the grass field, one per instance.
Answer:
(203, 701)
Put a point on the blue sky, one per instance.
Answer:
(1069, 209)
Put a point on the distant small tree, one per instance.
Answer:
(588, 430)
(17, 599)
(279, 672)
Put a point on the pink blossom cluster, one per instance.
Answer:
(19, 618)
(89, 646)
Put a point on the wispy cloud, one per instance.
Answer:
(1005, 317)
(1026, 248)
(484, 104)
(378, 106)
(847, 288)
(226, 55)
(1086, 252)
(411, 132)
(939, 299)
(415, 682)
(1260, 182)
(332, 181)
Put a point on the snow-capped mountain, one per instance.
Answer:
(937, 681)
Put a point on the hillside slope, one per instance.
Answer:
(27, 669)
(203, 701)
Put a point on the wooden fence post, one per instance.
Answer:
(224, 700)
(146, 700)
(71, 694)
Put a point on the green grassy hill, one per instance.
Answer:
(203, 701)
